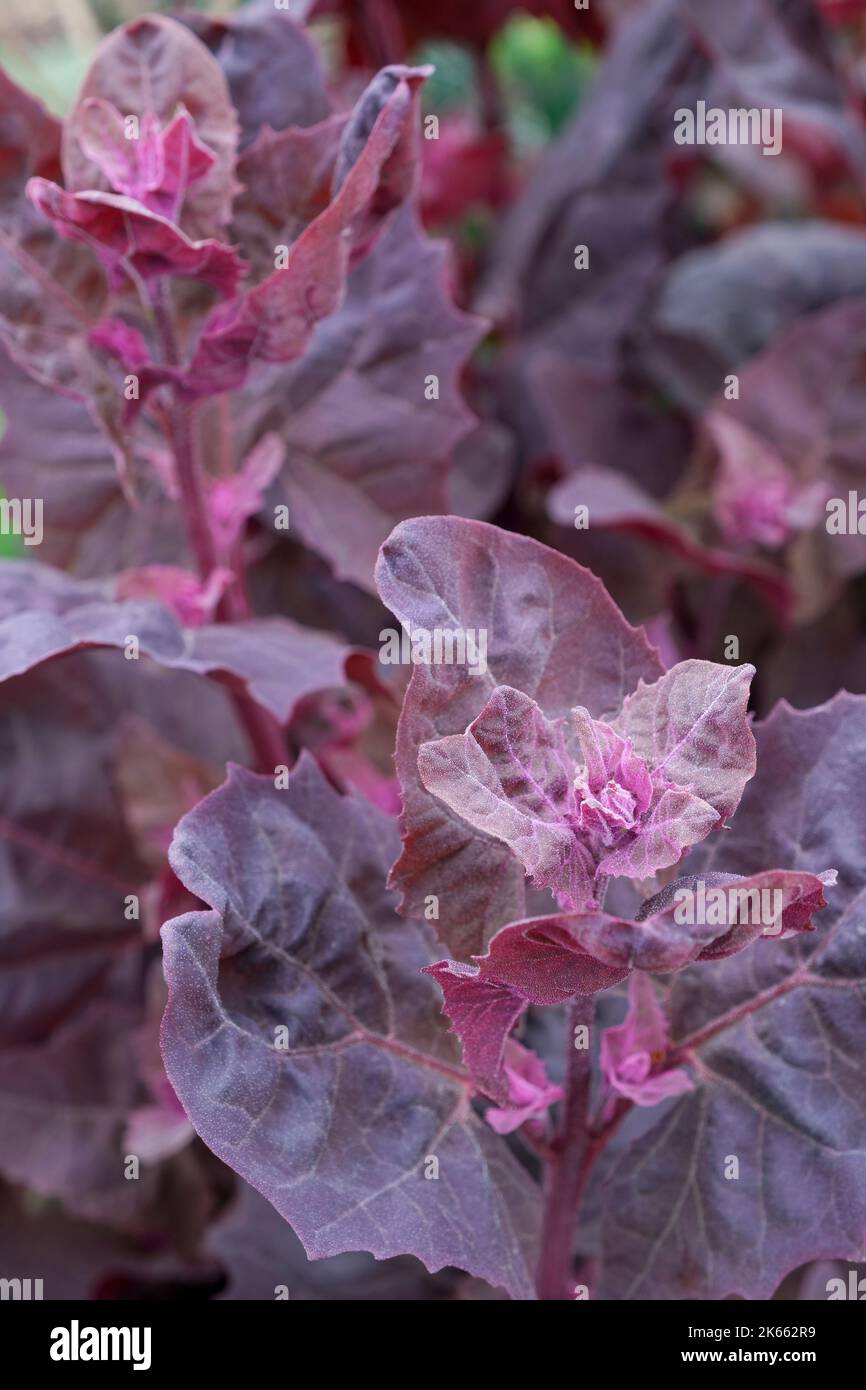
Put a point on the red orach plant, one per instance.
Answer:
(428, 958)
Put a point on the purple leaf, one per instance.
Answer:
(75, 1259)
(578, 800)
(52, 449)
(274, 321)
(124, 232)
(334, 1126)
(151, 67)
(534, 962)
(260, 1253)
(44, 614)
(233, 500)
(364, 448)
(30, 142)
(191, 602)
(286, 176)
(67, 859)
(51, 290)
(64, 1105)
(48, 972)
(755, 496)
(793, 67)
(553, 634)
(530, 1092)
(273, 69)
(773, 1037)
(705, 322)
(691, 726)
(616, 503)
(605, 175)
(548, 960)
(483, 1014)
(794, 440)
(668, 939)
(598, 423)
(157, 168)
(510, 777)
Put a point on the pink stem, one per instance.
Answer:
(569, 1168)
(184, 440)
(264, 732)
(579, 1144)
(189, 480)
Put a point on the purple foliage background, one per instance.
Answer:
(296, 941)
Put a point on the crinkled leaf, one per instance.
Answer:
(552, 633)
(156, 65)
(608, 807)
(510, 776)
(692, 726)
(157, 168)
(632, 1057)
(677, 820)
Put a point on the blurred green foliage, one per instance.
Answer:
(452, 86)
(53, 72)
(541, 76)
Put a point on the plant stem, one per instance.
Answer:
(570, 1165)
(265, 734)
(381, 30)
(190, 485)
(184, 442)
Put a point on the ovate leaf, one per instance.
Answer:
(307, 1047)
(156, 65)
